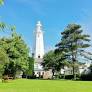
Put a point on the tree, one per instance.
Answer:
(17, 52)
(15, 48)
(1, 2)
(72, 41)
(2, 24)
(54, 61)
(49, 61)
(30, 70)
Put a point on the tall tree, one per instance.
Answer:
(18, 53)
(72, 41)
(15, 48)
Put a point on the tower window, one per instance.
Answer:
(38, 56)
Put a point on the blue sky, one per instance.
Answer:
(54, 15)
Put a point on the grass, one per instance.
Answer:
(24, 85)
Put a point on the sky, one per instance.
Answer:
(54, 15)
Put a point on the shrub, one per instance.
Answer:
(86, 77)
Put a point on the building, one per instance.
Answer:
(83, 68)
(39, 49)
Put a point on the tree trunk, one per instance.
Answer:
(74, 74)
(64, 74)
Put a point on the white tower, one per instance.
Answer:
(39, 48)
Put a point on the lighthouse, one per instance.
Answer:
(39, 49)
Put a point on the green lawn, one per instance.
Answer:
(24, 85)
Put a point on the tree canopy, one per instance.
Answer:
(17, 52)
(54, 61)
(72, 41)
